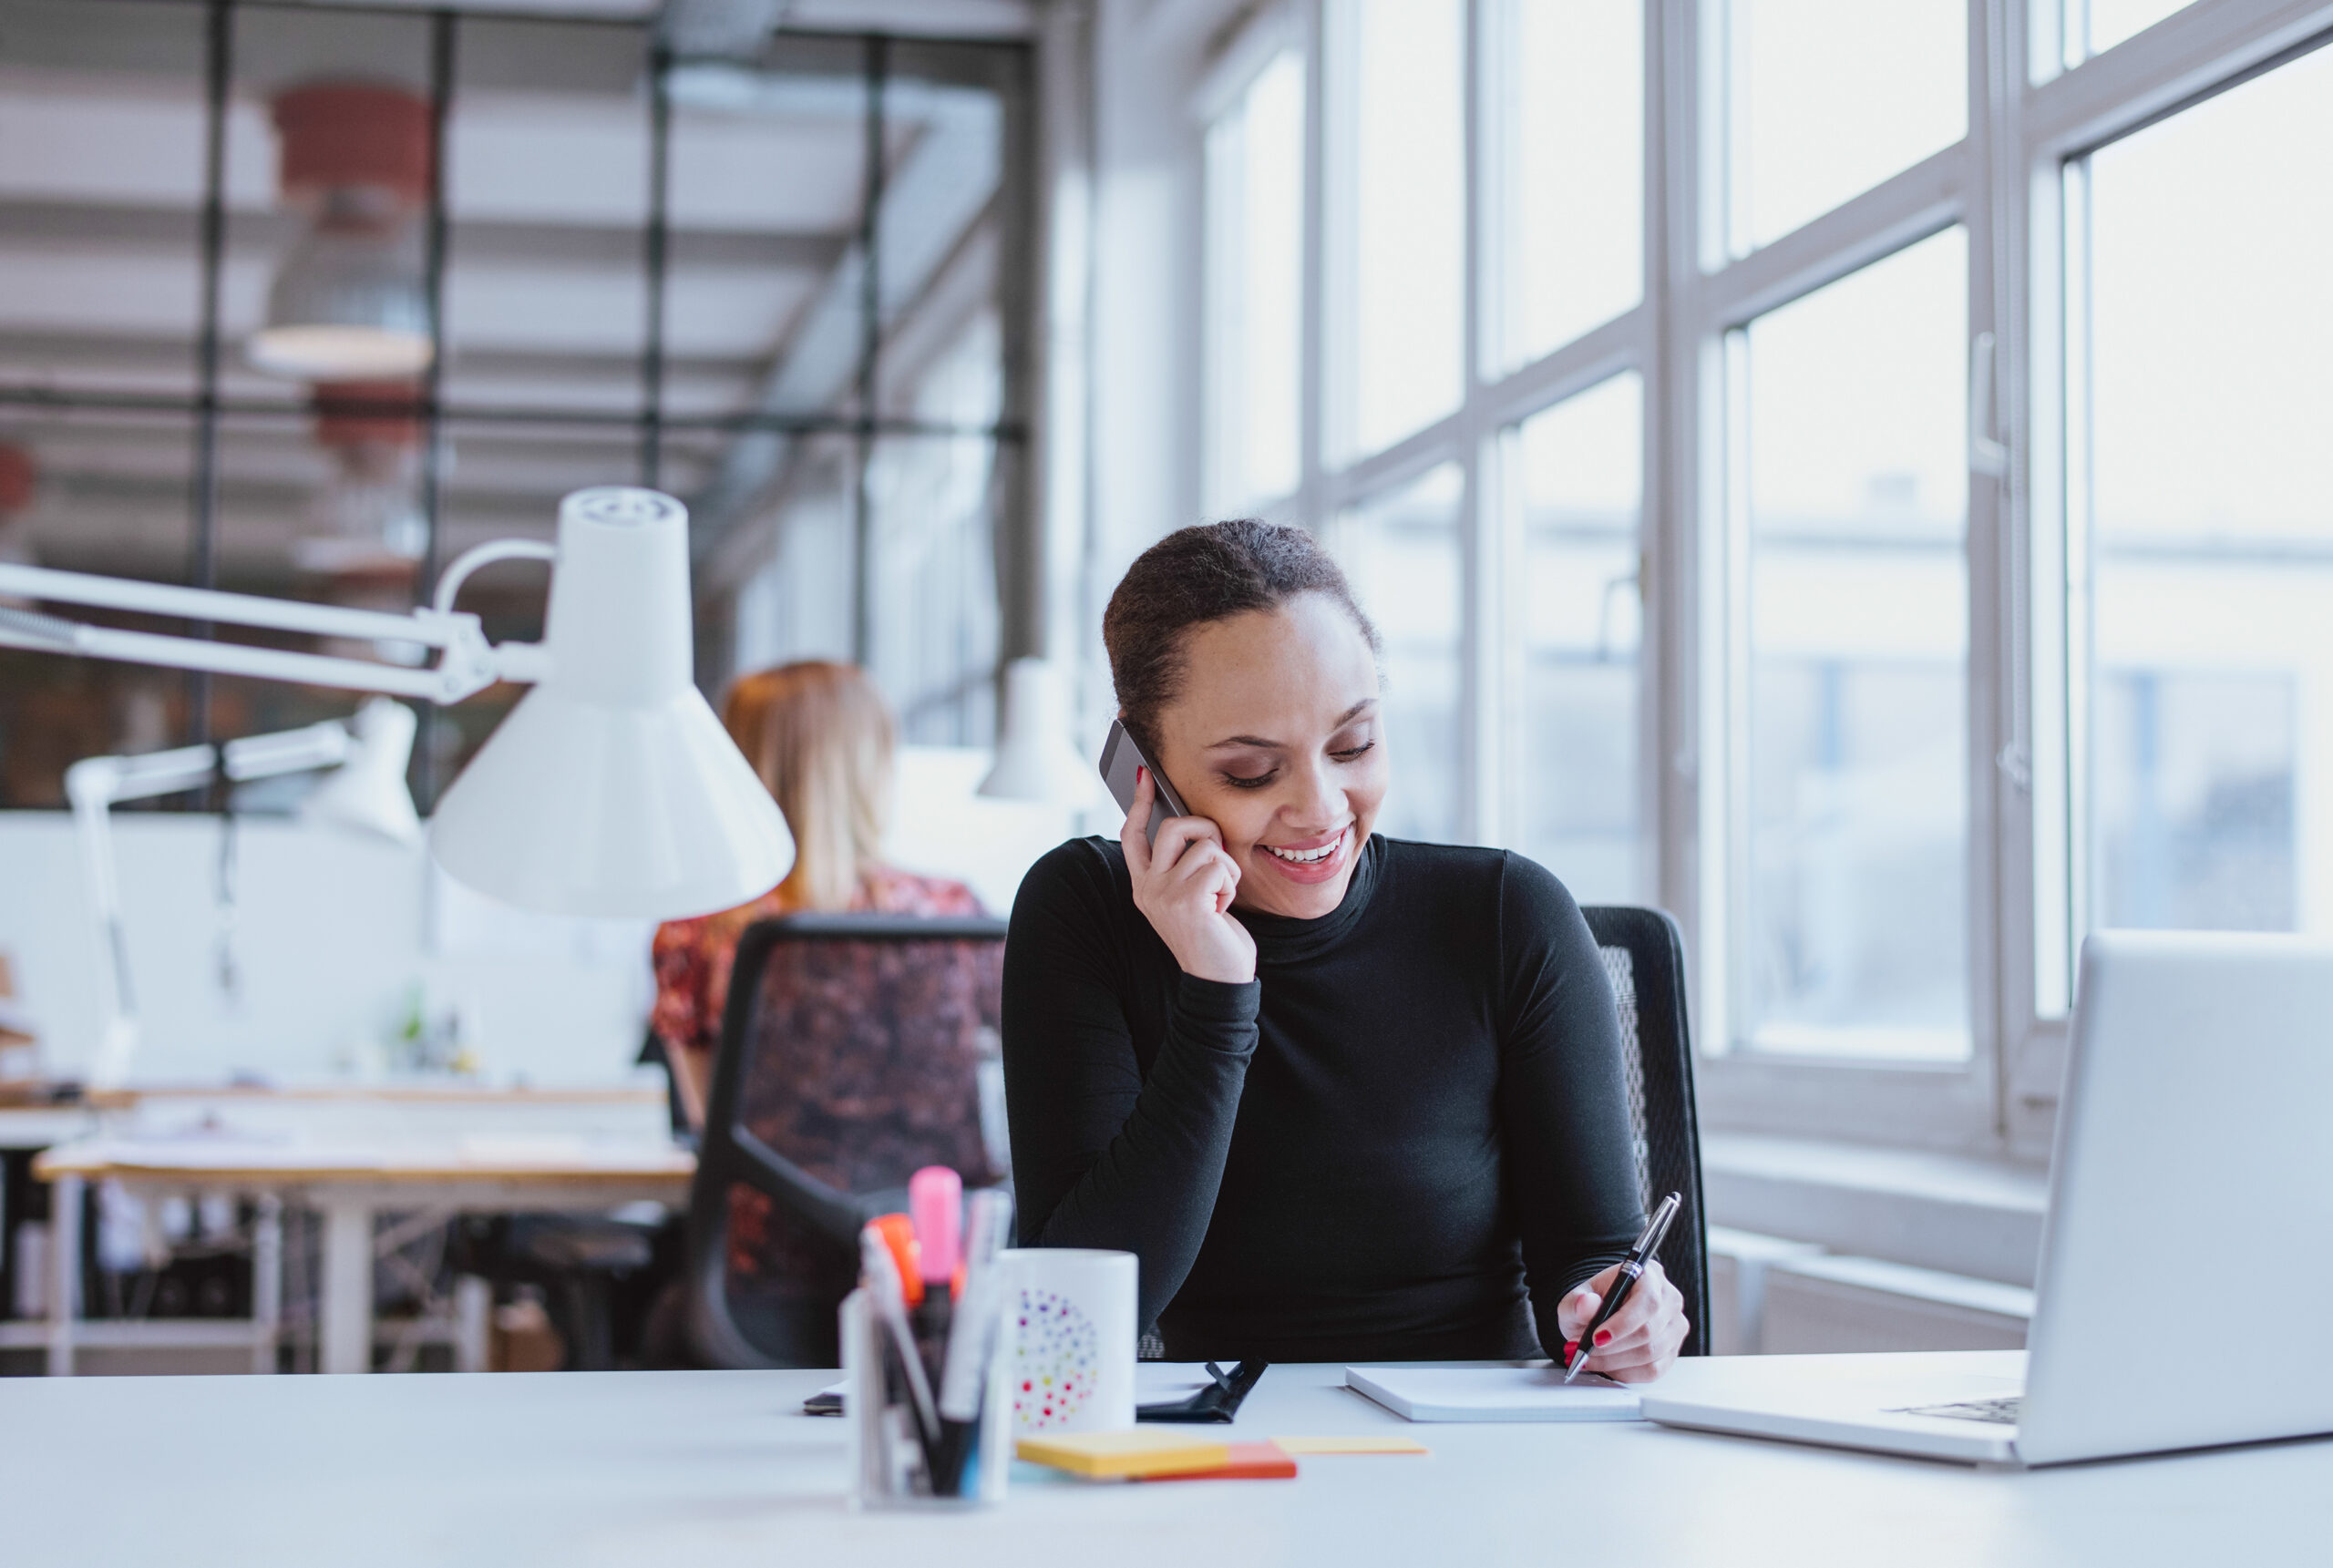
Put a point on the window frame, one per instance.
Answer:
(2030, 116)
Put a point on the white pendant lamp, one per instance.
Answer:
(367, 792)
(612, 789)
(1035, 758)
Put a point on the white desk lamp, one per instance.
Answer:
(611, 790)
(366, 794)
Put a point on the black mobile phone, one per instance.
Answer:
(1120, 758)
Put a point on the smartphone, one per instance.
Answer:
(1120, 759)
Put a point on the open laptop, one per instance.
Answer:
(2186, 1259)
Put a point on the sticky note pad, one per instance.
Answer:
(1117, 1456)
(1352, 1445)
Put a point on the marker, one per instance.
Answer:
(899, 1236)
(882, 1275)
(935, 1204)
(1631, 1270)
(972, 1339)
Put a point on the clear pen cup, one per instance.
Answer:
(891, 1466)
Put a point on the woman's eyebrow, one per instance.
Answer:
(1347, 717)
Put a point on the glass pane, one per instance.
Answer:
(2211, 526)
(101, 137)
(798, 603)
(934, 647)
(1573, 213)
(1403, 553)
(1828, 97)
(1854, 874)
(547, 209)
(1399, 236)
(1573, 800)
(1255, 317)
(2103, 24)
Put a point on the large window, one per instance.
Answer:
(1779, 514)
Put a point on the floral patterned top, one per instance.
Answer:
(694, 957)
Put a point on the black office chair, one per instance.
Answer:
(851, 1053)
(1644, 954)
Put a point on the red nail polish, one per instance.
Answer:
(1571, 1349)
(1603, 1336)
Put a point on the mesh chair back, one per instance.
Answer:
(1644, 954)
(853, 1050)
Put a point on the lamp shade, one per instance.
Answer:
(612, 789)
(348, 305)
(1034, 759)
(367, 792)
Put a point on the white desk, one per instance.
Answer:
(706, 1468)
(348, 1183)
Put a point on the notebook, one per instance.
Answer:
(1493, 1394)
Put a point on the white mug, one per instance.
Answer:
(1071, 1320)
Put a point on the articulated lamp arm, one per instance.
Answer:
(466, 662)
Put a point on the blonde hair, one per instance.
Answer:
(819, 735)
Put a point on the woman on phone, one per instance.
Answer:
(1348, 1098)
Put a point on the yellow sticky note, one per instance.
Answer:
(1357, 1445)
(1113, 1455)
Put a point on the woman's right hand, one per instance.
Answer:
(1183, 885)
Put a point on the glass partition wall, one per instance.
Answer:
(256, 333)
(1851, 475)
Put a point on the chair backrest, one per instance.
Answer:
(851, 1053)
(1644, 954)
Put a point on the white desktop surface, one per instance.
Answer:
(717, 1468)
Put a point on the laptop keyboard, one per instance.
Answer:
(2003, 1411)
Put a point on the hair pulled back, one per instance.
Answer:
(1193, 577)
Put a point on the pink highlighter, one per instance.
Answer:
(936, 1206)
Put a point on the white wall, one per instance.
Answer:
(331, 935)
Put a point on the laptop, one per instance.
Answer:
(2188, 1255)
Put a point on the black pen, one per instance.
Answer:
(1631, 1270)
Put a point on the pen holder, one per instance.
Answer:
(888, 1462)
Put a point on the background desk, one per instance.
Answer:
(716, 1468)
(348, 1184)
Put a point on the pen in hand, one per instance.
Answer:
(1631, 1270)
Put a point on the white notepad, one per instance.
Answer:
(1492, 1394)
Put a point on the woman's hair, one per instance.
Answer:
(820, 737)
(1197, 575)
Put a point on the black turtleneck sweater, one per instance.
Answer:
(1406, 1137)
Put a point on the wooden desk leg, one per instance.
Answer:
(64, 1272)
(267, 1281)
(347, 1306)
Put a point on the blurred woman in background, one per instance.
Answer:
(821, 738)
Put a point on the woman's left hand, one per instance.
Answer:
(1642, 1339)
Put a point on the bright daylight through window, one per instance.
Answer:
(1827, 98)
(1850, 659)
(1254, 282)
(1576, 472)
(1399, 206)
(2208, 531)
(1401, 552)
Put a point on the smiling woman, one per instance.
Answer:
(1347, 1097)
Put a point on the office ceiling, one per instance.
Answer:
(546, 296)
